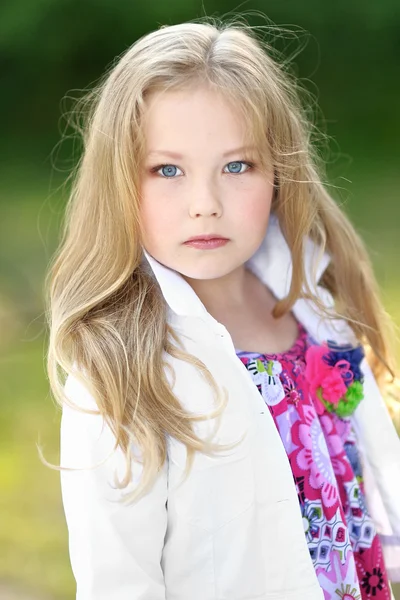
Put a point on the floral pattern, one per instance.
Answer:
(322, 449)
(335, 377)
(313, 459)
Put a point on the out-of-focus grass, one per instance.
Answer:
(33, 534)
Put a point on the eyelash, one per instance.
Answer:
(245, 162)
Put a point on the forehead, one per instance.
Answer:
(193, 117)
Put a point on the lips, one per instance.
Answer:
(206, 237)
(206, 244)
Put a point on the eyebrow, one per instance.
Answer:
(178, 156)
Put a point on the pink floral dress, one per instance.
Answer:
(322, 450)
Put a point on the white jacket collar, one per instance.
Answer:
(272, 263)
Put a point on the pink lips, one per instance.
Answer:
(206, 241)
(203, 244)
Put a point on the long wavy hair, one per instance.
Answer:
(107, 315)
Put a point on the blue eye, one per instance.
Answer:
(167, 171)
(237, 165)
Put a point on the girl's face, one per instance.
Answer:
(197, 179)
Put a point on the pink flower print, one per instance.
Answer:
(333, 386)
(292, 395)
(316, 369)
(340, 462)
(327, 381)
(313, 457)
(342, 426)
(341, 580)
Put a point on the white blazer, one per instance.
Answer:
(233, 530)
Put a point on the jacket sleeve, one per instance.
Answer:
(379, 445)
(115, 549)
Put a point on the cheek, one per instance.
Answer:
(158, 214)
(256, 208)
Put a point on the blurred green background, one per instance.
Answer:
(50, 50)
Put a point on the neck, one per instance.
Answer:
(229, 294)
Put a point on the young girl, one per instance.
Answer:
(223, 435)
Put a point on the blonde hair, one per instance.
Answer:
(107, 314)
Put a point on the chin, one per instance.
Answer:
(211, 268)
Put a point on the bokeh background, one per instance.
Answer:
(348, 55)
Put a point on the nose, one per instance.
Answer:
(204, 201)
